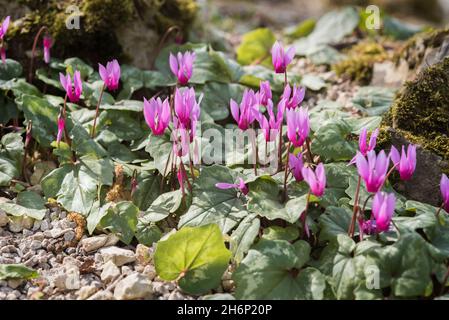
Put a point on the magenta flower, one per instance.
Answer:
(280, 58)
(4, 27)
(296, 98)
(187, 109)
(240, 186)
(272, 126)
(404, 163)
(181, 139)
(73, 91)
(383, 210)
(363, 147)
(444, 186)
(296, 165)
(110, 74)
(315, 179)
(264, 94)
(61, 126)
(182, 66)
(157, 114)
(373, 171)
(3, 54)
(47, 44)
(298, 126)
(247, 112)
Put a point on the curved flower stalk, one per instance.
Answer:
(298, 126)
(281, 58)
(444, 187)
(245, 113)
(110, 74)
(374, 170)
(315, 179)
(47, 42)
(3, 29)
(73, 90)
(364, 148)
(182, 66)
(294, 96)
(405, 163)
(157, 114)
(240, 186)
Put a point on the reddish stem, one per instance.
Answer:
(97, 111)
(33, 51)
(355, 210)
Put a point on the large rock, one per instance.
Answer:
(134, 286)
(97, 242)
(420, 115)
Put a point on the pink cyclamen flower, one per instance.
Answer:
(280, 58)
(182, 66)
(373, 171)
(404, 163)
(298, 126)
(383, 210)
(187, 109)
(272, 125)
(296, 165)
(240, 186)
(61, 126)
(180, 138)
(73, 91)
(264, 94)
(363, 147)
(157, 114)
(247, 112)
(3, 54)
(296, 97)
(444, 186)
(315, 179)
(47, 44)
(110, 74)
(4, 27)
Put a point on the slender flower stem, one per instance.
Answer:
(27, 140)
(280, 149)
(33, 52)
(165, 170)
(356, 206)
(366, 202)
(163, 39)
(184, 172)
(97, 111)
(309, 151)
(439, 210)
(191, 165)
(255, 151)
(304, 219)
(286, 173)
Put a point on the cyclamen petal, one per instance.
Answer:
(182, 66)
(247, 112)
(383, 210)
(280, 58)
(61, 126)
(4, 27)
(405, 163)
(240, 185)
(73, 90)
(157, 114)
(296, 165)
(298, 126)
(444, 187)
(315, 179)
(373, 171)
(47, 44)
(110, 74)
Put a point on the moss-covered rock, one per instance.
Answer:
(420, 115)
(100, 22)
(358, 66)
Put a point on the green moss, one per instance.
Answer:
(361, 59)
(95, 40)
(421, 111)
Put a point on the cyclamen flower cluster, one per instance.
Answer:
(373, 170)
